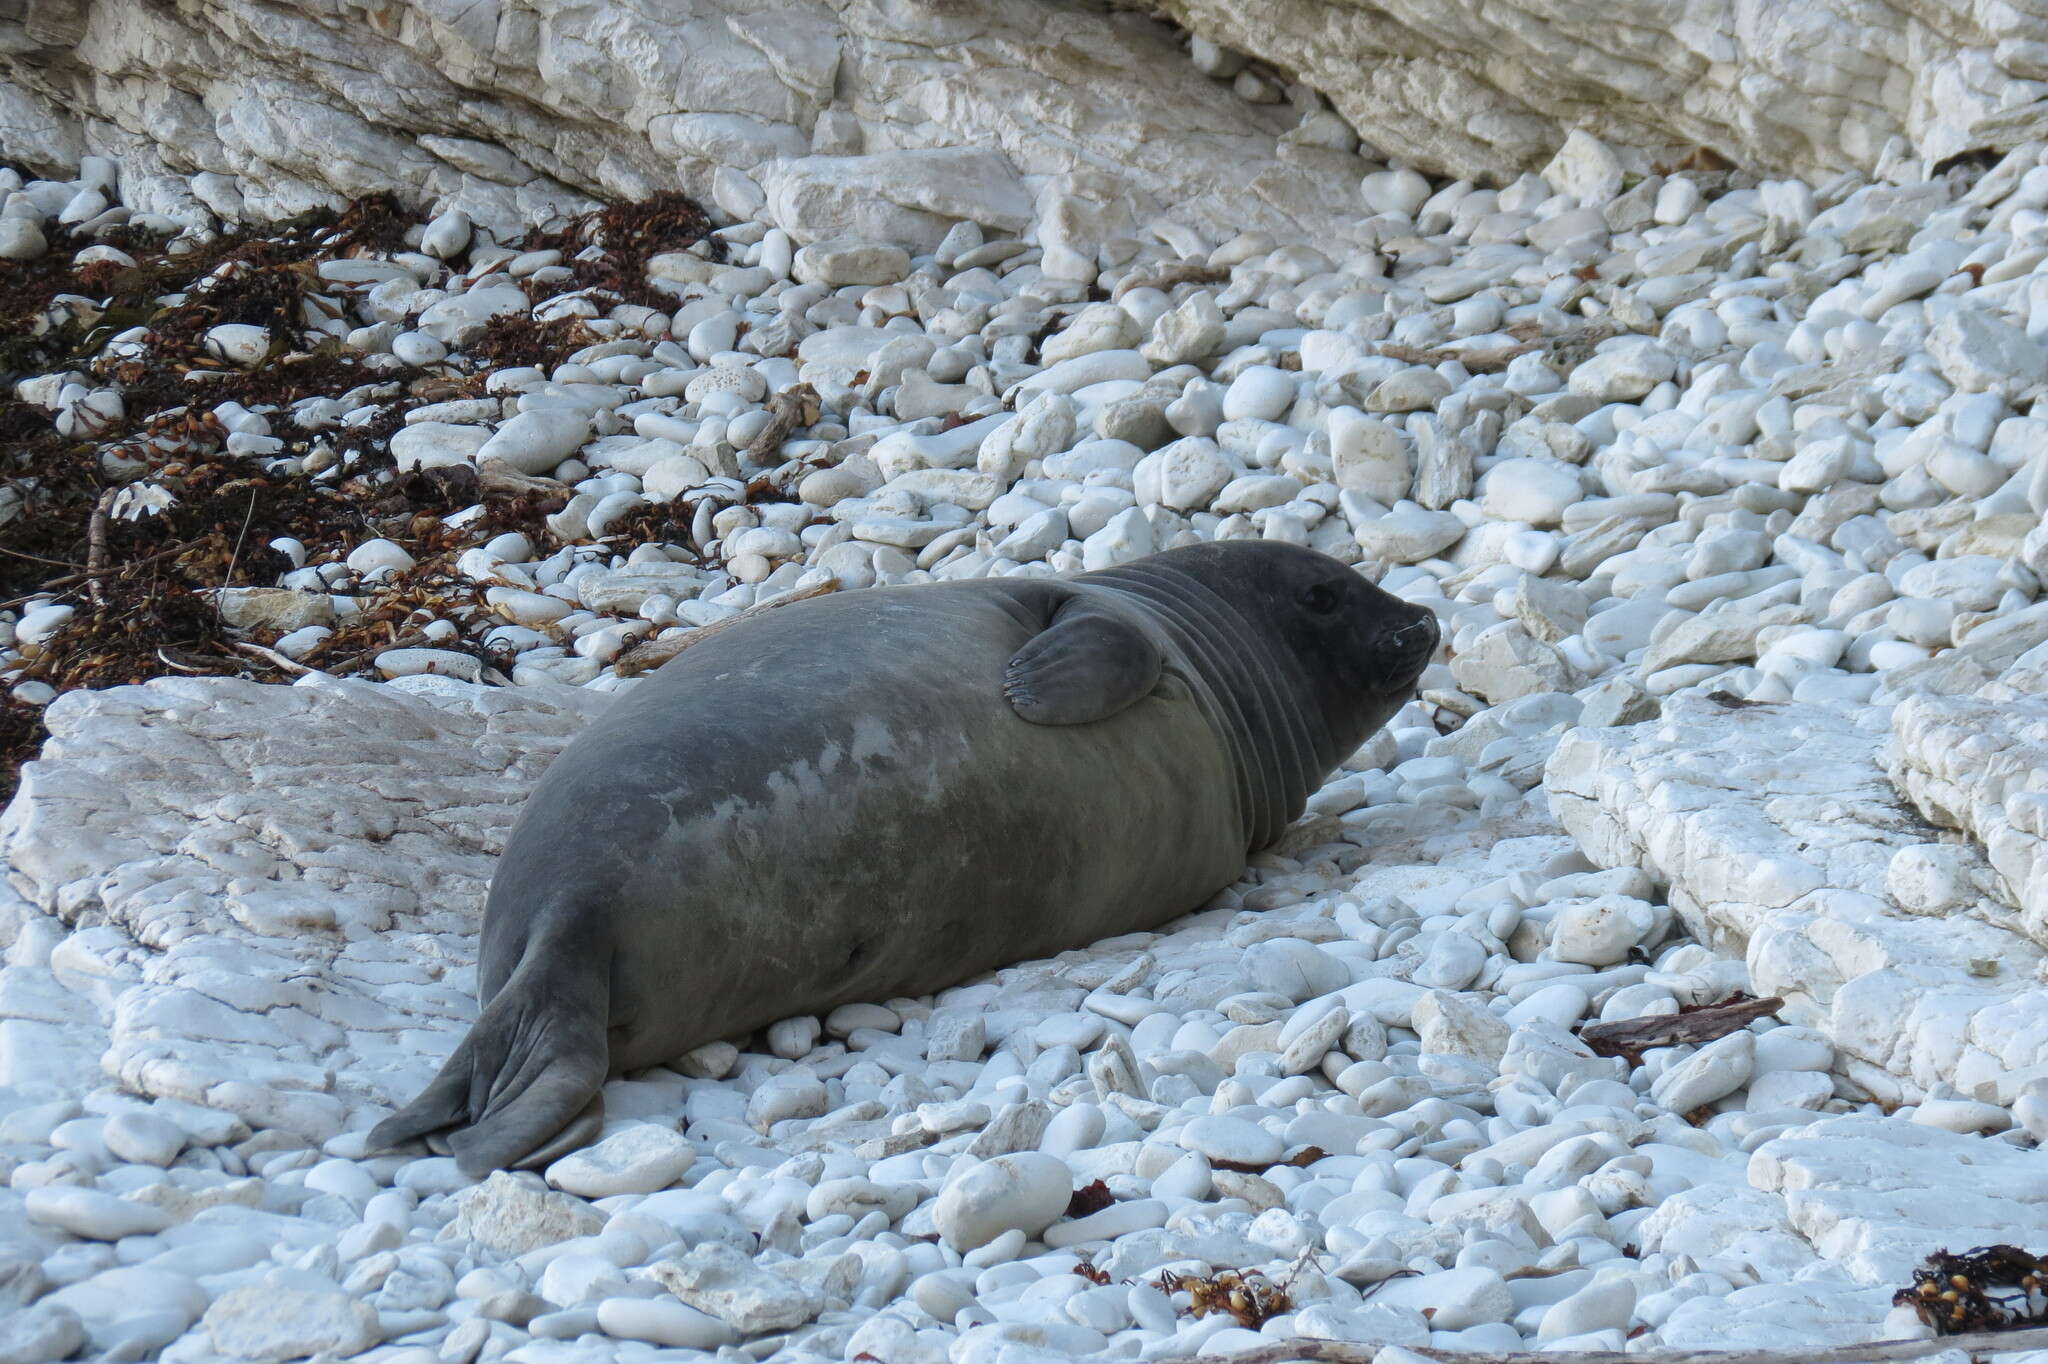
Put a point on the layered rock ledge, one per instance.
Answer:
(891, 118)
(886, 120)
(1779, 839)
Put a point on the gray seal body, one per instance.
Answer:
(885, 792)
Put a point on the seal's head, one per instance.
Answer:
(1358, 649)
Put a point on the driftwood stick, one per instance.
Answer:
(70, 580)
(1166, 277)
(655, 652)
(96, 547)
(274, 658)
(786, 411)
(494, 475)
(1669, 1030)
(1340, 1352)
(412, 639)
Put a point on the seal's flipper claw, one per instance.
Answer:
(583, 1129)
(559, 1111)
(528, 1080)
(1087, 664)
(442, 1104)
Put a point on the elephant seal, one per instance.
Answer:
(883, 793)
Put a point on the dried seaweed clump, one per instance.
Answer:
(624, 236)
(1250, 1298)
(1990, 1288)
(1090, 1198)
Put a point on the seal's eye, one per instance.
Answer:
(1322, 598)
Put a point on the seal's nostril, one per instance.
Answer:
(1423, 627)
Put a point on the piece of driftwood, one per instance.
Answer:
(74, 579)
(494, 475)
(1630, 1037)
(793, 407)
(276, 659)
(96, 547)
(1478, 360)
(1341, 1352)
(655, 652)
(1166, 277)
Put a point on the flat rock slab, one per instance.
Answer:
(261, 899)
(1774, 829)
(1878, 1196)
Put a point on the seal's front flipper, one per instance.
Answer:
(1087, 664)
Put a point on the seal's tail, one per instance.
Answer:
(527, 1084)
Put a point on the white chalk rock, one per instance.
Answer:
(269, 1321)
(1025, 1191)
(535, 442)
(636, 1160)
(238, 343)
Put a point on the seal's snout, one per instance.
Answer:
(1420, 633)
(1409, 649)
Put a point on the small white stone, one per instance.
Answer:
(1024, 1191)
(40, 625)
(1980, 353)
(1536, 491)
(1713, 1072)
(1099, 326)
(1454, 1299)
(418, 348)
(1184, 475)
(1410, 390)
(845, 260)
(239, 343)
(434, 445)
(379, 556)
(1232, 1140)
(268, 1321)
(447, 236)
(1606, 1304)
(513, 1213)
(1261, 393)
(1451, 1024)
(1394, 191)
(92, 1214)
(793, 1094)
(1585, 168)
(637, 1160)
(21, 239)
(1962, 1115)
(429, 663)
(143, 1138)
(1623, 370)
(1453, 962)
(1294, 968)
(535, 442)
(46, 1331)
(718, 1280)
(1369, 456)
(1600, 932)
(461, 318)
(661, 1322)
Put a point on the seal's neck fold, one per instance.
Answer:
(1251, 688)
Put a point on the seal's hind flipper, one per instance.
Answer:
(1087, 664)
(527, 1083)
(442, 1104)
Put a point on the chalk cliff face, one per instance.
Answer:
(893, 117)
(1800, 87)
(885, 117)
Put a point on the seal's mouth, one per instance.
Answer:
(1408, 651)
